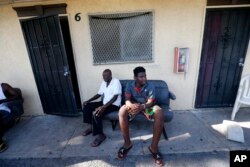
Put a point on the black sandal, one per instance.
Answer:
(3, 147)
(157, 157)
(122, 153)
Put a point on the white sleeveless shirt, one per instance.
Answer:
(2, 96)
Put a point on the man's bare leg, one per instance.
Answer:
(124, 125)
(157, 129)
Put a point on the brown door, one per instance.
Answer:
(52, 64)
(225, 43)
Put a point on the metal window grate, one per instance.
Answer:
(125, 37)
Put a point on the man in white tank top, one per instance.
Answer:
(7, 93)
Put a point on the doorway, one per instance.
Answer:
(225, 42)
(50, 51)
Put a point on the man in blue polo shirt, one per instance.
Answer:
(140, 99)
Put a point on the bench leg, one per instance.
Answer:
(114, 123)
(164, 133)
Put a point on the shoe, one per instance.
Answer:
(122, 153)
(3, 147)
(157, 157)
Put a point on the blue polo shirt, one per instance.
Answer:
(140, 95)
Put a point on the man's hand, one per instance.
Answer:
(135, 108)
(99, 111)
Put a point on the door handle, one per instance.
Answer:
(66, 71)
(241, 64)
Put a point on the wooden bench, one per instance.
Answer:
(163, 96)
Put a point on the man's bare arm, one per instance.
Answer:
(9, 92)
(91, 99)
(102, 109)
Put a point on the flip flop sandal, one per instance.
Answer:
(122, 153)
(157, 157)
(3, 147)
(98, 141)
(87, 132)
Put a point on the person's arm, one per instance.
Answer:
(99, 94)
(146, 105)
(111, 101)
(150, 99)
(117, 91)
(101, 109)
(128, 95)
(9, 92)
(128, 100)
(133, 107)
(91, 99)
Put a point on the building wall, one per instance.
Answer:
(177, 23)
(15, 67)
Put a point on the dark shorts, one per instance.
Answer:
(4, 115)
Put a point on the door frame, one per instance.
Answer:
(73, 51)
(201, 43)
(74, 57)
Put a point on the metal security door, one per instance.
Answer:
(225, 43)
(44, 41)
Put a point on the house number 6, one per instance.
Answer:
(77, 17)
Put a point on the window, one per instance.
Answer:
(125, 37)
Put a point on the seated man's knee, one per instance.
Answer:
(159, 113)
(123, 111)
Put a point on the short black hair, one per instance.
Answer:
(107, 70)
(139, 69)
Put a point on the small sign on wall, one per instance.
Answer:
(181, 60)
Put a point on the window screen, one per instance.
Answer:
(125, 37)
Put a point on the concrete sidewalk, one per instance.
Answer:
(57, 141)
